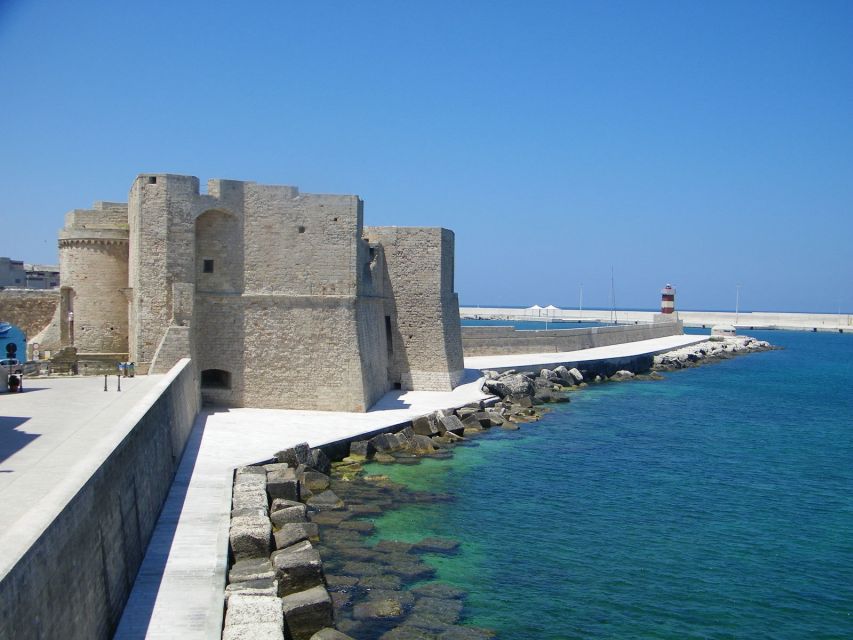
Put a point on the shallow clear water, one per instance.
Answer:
(717, 503)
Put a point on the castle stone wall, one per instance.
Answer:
(289, 352)
(29, 309)
(300, 244)
(426, 348)
(162, 253)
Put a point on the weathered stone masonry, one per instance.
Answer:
(282, 299)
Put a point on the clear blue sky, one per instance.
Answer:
(704, 144)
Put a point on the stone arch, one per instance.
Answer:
(218, 252)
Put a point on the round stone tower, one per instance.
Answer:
(93, 255)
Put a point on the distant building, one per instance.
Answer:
(15, 274)
(42, 276)
(12, 273)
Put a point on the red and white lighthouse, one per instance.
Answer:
(667, 299)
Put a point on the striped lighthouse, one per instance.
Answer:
(667, 299)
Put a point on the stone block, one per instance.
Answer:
(253, 616)
(265, 587)
(361, 449)
(296, 455)
(251, 569)
(307, 612)
(325, 501)
(250, 537)
(297, 567)
(283, 484)
(426, 426)
(315, 481)
(452, 424)
(319, 461)
(290, 534)
(296, 513)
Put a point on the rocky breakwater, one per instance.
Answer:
(276, 585)
(714, 349)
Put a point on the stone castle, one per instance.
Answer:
(282, 299)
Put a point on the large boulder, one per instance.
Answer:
(576, 374)
(296, 513)
(315, 481)
(547, 374)
(307, 612)
(361, 449)
(386, 442)
(298, 567)
(283, 483)
(250, 536)
(295, 532)
(622, 375)
(378, 609)
(420, 445)
(513, 385)
(253, 616)
(426, 426)
(296, 455)
(250, 490)
(452, 424)
(319, 461)
(328, 500)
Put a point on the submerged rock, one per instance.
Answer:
(436, 545)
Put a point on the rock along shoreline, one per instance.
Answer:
(302, 565)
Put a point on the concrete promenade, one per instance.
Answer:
(179, 589)
(53, 437)
(752, 320)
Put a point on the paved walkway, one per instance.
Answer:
(179, 589)
(53, 437)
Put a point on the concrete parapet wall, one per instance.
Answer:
(74, 580)
(490, 341)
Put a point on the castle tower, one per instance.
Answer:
(93, 257)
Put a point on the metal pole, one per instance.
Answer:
(580, 305)
(105, 382)
(737, 304)
(119, 382)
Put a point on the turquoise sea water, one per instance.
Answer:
(717, 503)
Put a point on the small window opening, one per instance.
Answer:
(388, 335)
(207, 266)
(152, 179)
(301, 229)
(215, 379)
(334, 219)
(398, 385)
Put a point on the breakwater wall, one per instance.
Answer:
(488, 341)
(75, 578)
(746, 320)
